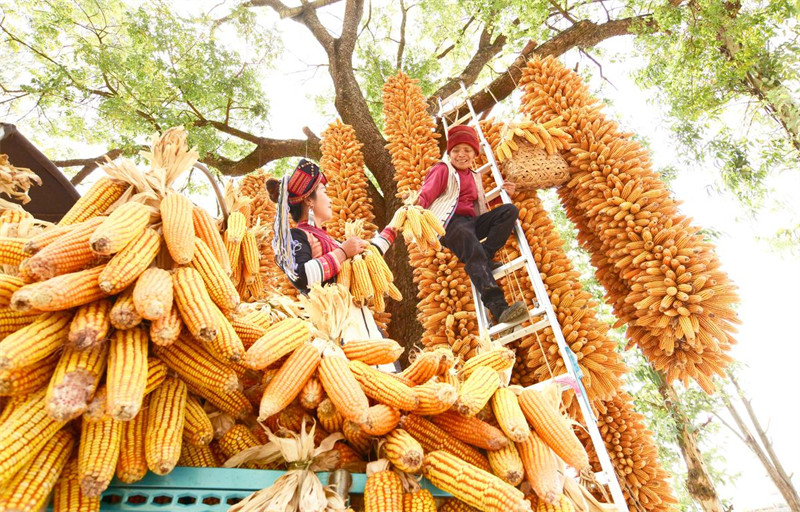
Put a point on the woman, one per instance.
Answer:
(307, 253)
(454, 193)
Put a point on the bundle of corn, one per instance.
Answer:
(547, 136)
(537, 355)
(15, 182)
(262, 212)
(634, 454)
(348, 186)
(661, 276)
(418, 225)
(445, 309)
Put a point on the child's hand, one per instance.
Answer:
(510, 187)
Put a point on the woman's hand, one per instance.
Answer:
(510, 187)
(353, 246)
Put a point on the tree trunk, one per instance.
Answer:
(766, 454)
(698, 481)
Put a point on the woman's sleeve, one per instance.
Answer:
(311, 271)
(383, 240)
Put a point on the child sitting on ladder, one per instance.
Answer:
(454, 193)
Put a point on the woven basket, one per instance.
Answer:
(532, 168)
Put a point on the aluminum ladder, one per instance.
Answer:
(504, 333)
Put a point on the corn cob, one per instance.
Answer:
(433, 438)
(12, 321)
(197, 456)
(498, 359)
(127, 373)
(90, 325)
(403, 451)
(248, 330)
(250, 253)
(237, 439)
(25, 430)
(123, 314)
(68, 253)
(425, 366)
(383, 387)
(507, 464)
(61, 292)
(68, 496)
(420, 500)
(233, 403)
(279, 340)
(197, 428)
(456, 505)
(562, 504)
(434, 398)
(345, 275)
(41, 240)
(165, 419)
(36, 341)
(329, 416)
(98, 452)
(27, 379)
(95, 201)
(357, 438)
(11, 252)
(177, 226)
(289, 380)
(342, 388)
(477, 390)
(383, 492)
(132, 464)
(237, 226)
(10, 404)
(541, 468)
(206, 229)
(509, 415)
(219, 285)
(553, 428)
(226, 346)
(123, 225)
(312, 394)
(373, 352)
(472, 485)
(152, 294)
(165, 330)
(156, 373)
(75, 380)
(471, 430)
(381, 419)
(194, 304)
(195, 365)
(125, 266)
(31, 486)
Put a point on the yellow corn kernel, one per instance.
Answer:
(36, 341)
(206, 229)
(373, 352)
(289, 380)
(194, 304)
(11, 251)
(152, 294)
(425, 366)
(507, 464)
(498, 359)
(61, 292)
(420, 500)
(123, 225)
(197, 428)
(312, 394)
(165, 330)
(234, 403)
(541, 468)
(477, 390)
(456, 505)
(381, 419)
(403, 451)
(248, 331)
(12, 321)
(220, 287)
(178, 227)
(90, 325)
(197, 456)
(329, 416)
(278, 340)
(509, 415)
(250, 253)
(471, 430)
(472, 485)
(8, 285)
(126, 380)
(237, 439)
(98, 452)
(132, 464)
(165, 420)
(75, 380)
(27, 379)
(195, 365)
(46, 237)
(156, 373)
(237, 225)
(69, 253)
(31, 486)
(343, 389)
(356, 437)
(383, 492)
(384, 387)
(226, 346)
(128, 264)
(433, 438)
(68, 496)
(123, 313)
(95, 201)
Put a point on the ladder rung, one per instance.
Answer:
(493, 194)
(511, 266)
(482, 169)
(519, 332)
(502, 327)
(461, 119)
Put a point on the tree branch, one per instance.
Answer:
(402, 44)
(353, 11)
(266, 151)
(88, 164)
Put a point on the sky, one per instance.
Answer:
(768, 281)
